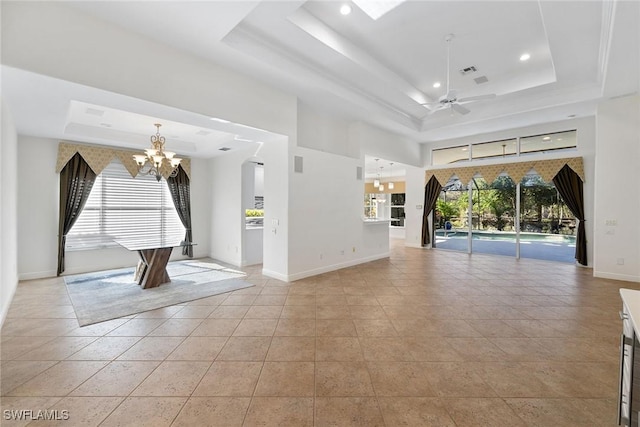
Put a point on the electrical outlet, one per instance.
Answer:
(342, 252)
(353, 249)
(620, 261)
(320, 256)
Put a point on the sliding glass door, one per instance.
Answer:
(451, 223)
(493, 216)
(548, 228)
(484, 218)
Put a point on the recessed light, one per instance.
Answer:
(215, 119)
(436, 85)
(345, 9)
(546, 138)
(525, 57)
(106, 125)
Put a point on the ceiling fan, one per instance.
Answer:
(450, 99)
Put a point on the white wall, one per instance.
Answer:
(617, 194)
(54, 39)
(258, 187)
(248, 184)
(320, 131)
(586, 137)
(8, 211)
(252, 246)
(227, 210)
(37, 208)
(325, 222)
(37, 223)
(376, 142)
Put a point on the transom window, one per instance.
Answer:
(507, 148)
(121, 207)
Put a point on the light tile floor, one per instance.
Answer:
(425, 338)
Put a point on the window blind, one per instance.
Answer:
(121, 207)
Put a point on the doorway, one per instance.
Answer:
(253, 212)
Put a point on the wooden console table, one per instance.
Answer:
(154, 256)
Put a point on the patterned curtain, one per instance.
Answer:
(431, 193)
(569, 186)
(179, 187)
(76, 181)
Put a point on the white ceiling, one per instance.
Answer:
(377, 71)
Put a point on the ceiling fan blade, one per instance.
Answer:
(477, 98)
(436, 109)
(460, 109)
(428, 104)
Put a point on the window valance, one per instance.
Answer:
(98, 157)
(547, 169)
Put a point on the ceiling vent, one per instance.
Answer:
(468, 70)
(94, 112)
(480, 80)
(203, 133)
(224, 148)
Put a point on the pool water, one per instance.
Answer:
(508, 236)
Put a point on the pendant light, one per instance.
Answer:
(391, 185)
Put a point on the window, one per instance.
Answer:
(370, 206)
(548, 142)
(444, 156)
(120, 207)
(487, 150)
(397, 210)
(522, 146)
(254, 218)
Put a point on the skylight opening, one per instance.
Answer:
(376, 8)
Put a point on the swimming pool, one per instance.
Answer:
(508, 236)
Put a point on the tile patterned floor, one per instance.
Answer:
(425, 338)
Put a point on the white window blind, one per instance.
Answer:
(121, 207)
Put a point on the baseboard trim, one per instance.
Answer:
(416, 245)
(275, 275)
(6, 304)
(37, 275)
(615, 276)
(334, 267)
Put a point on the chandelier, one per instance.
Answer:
(156, 160)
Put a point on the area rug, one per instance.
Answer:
(107, 295)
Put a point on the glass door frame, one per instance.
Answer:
(470, 219)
